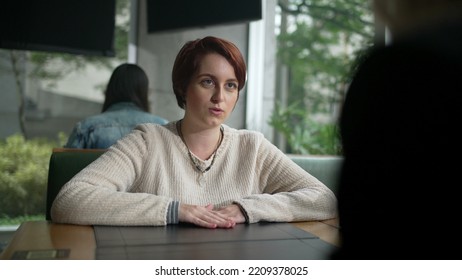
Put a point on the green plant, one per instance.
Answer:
(6, 221)
(318, 43)
(303, 134)
(23, 175)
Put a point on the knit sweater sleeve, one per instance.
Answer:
(105, 192)
(287, 192)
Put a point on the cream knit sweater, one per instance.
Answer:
(134, 182)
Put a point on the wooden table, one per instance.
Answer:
(327, 230)
(49, 238)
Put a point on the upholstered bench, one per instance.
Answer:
(325, 168)
(64, 164)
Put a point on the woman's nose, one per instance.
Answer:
(218, 95)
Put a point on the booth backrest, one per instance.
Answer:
(64, 164)
(325, 168)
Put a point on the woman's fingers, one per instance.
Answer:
(204, 216)
(232, 212)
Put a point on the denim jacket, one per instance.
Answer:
(103, 130)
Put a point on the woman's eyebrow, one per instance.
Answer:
(215, 77)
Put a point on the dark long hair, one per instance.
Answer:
(128, 83)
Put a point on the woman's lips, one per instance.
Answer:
(216, 111)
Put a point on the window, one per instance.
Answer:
(318, 42)
(44, 95)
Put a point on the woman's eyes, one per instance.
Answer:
(208, 83)
(231, 85)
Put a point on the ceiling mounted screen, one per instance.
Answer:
(165, 15)
(71, 26)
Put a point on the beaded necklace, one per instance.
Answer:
(193, 160)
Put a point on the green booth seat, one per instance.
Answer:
(324, 167)
(64, 164)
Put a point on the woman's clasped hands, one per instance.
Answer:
(210, 217)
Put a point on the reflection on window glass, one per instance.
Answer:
(44, 94)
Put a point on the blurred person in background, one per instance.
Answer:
(125, 106)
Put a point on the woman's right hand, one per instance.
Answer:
(204, 216)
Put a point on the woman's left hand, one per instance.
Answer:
(233, 212)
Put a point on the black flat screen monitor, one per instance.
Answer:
(71, 26)
(165, 15)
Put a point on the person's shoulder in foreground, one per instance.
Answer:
(397, 194)
(197, 169)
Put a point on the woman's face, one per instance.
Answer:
(212, 92)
